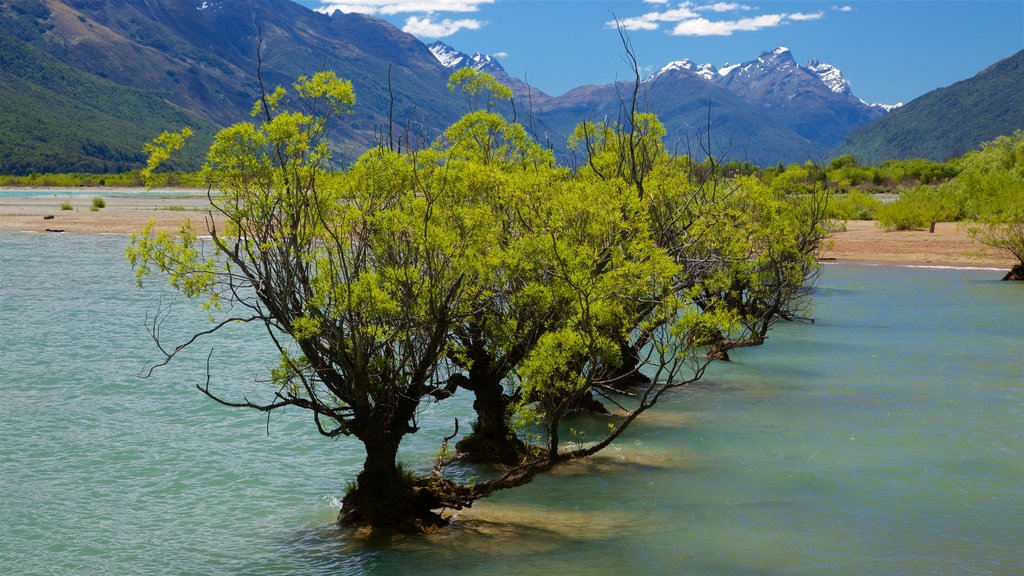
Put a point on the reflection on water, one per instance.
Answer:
(886, 438)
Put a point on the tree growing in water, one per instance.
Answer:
(376, 283)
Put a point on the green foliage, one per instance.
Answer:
(917, 170)
(73, 180)
(991, 187)
(855, 205)
(67, 205)
(991, 180)
(473, 83)
(845, 161)
(903, 215)
(58, 119)
(98, 203)
(381, 283)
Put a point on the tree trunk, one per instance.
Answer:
(385, 498)
(626, 374)
(1015, 273)
(492, 440)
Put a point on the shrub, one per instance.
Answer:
(854, 206)
(98, 203)
(67, 205)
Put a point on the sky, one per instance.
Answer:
(889, 51)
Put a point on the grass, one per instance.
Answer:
(98, 203)
(67, 205)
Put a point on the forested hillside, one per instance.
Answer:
(57, 119)
(949, 121)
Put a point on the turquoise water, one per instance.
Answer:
(886, 438)
(104, 192)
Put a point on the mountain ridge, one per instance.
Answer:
(948, 121)
(207, 59)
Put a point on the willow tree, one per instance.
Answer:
(381, 285)
(357, 277)
(765, 260)
(991, 185)
(504, 172)
(680, 207)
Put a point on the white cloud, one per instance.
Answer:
(501, 54)
(687, 19)
(806, 17)
(705, 27)
(843, 8)
(427, 28)
(725, 7)
(391, 7)
(650, 20)
(644, 22)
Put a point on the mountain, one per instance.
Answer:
(55, 118)
(815, 100)
(202, 62)
(766, 110)
(522, 93)
(830, 76)
(947, 122)
(451, 58)
(201, 56)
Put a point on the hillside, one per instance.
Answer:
(86, 82)
(58, 119)
(946, 122)
(202, 56)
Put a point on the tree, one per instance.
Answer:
(516, 181)
(356, 276)
(766, 260)
(991, 185)
(375, 284)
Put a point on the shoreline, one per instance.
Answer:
(128, 210)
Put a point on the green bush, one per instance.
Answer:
(67, 205)
(922, 205)
(98, 203)
(854, 206)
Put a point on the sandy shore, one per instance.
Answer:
(950, 245)
(129, 210)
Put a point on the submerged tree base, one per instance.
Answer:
(415, 507)
(481, 448)
(1015, 273)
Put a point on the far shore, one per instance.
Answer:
(128, 210)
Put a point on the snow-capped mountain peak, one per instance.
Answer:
(781, 57)
(451, 58)
(830, 76)
(705, 71)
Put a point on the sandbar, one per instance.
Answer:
(128, 210)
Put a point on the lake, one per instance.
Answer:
(885, 438)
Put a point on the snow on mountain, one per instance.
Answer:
(705, 71)
(830, 76)
(727, 69)
(771, 63)
(451, 58)
(781, 57)
(886, 107)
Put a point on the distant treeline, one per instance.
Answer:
(82, 180)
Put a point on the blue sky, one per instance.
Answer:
(890, 51)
